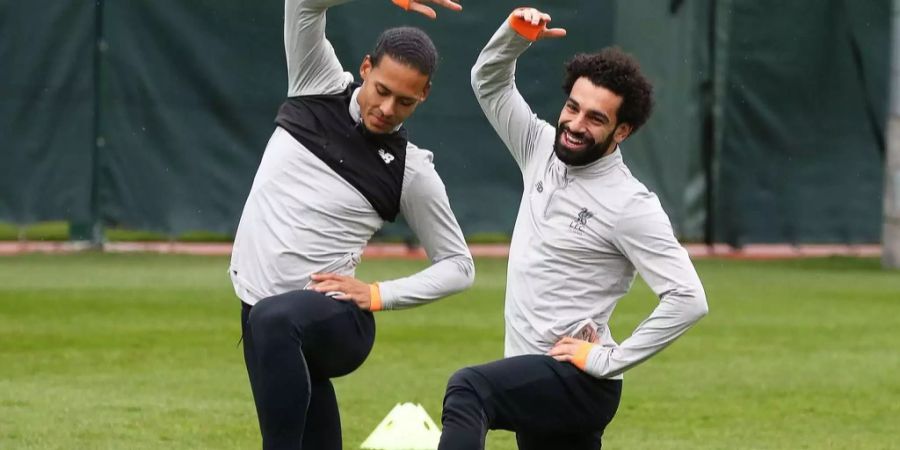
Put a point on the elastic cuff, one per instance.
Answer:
(402, 3)
(375, 297)
(525, 29)
(581, 355)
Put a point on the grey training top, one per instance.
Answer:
(302, 218)
(580, 234)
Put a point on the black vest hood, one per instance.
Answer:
(372, 163)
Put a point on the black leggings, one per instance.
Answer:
(549, 404)
(293, 344)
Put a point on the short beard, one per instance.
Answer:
(582, 157)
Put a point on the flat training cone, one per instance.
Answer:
(406, 427)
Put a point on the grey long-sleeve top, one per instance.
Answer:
(302, 218)
(580, 235)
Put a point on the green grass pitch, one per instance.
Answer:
(109, 351)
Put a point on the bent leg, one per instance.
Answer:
(533, 394)
(291, 335)
(464, 417)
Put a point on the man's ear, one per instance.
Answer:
(365, 67)
(425, 91)
(623, 130)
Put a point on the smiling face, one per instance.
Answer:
(390, 93)
(588, 126)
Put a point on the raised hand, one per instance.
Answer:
(533, 24)
(420, 6)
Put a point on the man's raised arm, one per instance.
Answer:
(313, 67)
(493, 80)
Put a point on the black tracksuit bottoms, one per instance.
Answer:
(294, 343)
(550, 405)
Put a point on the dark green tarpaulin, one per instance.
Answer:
(153, 114)
(46, 110)
(803, 106)
(669, 39)
(187, 101)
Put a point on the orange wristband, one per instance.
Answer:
(524, 28)
(375, 297)
(402, 3)
(581, 355)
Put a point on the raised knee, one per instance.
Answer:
(463, 407)
(268, 315)
(463, 378)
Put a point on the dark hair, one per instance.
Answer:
(620, 73)
(408, 45)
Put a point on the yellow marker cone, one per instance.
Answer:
(406, 427)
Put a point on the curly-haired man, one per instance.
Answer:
(585, 226)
